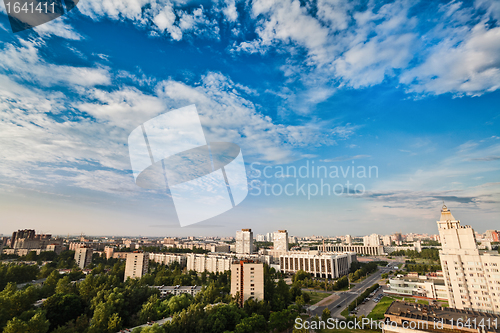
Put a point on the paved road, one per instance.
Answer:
(34, 282)
(347, 297)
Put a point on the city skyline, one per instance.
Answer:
(411, 89)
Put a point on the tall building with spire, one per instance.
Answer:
(472, 277)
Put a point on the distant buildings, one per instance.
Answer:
(348, 239)
(244, 241)
(137, 265)
(322, 265)
(472, 278)
(247, 281)
(492, 235)
(280, 240)
(83, 256)
(220, 248)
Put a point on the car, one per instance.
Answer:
(338, 306)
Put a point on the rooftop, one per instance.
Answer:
(436, 313)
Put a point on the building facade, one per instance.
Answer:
(178, 290)
(244, 241)
(420, 286)
(210, 263)
(167, 259)
(472, 278)
(359, 249)
(83, 256)
(247, 281)
(137, 265)
(280, 240)
(323, 265)
(372, 240)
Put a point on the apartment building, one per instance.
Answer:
(83, 256)
(167, 258)
(137, 265)
(372, 240)
(247, 280)
(209, 263)
(244, 241)
(280, 240)
(472, 277)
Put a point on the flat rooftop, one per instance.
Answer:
(436, 313)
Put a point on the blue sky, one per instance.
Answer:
(411, 88)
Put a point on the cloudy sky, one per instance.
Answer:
(411, 89)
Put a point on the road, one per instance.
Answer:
(346, 297)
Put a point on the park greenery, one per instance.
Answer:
(430, 254)
(102, 301)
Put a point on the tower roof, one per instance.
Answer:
(446, 214)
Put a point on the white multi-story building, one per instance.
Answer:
(247, 280)
(348, 239)
(420, 286)
(372, 240)
(244, 241)
(280, 240)
(137, 265)
(472, 278)
(209, 263)
(386, 240)
(83, 256)
(359, 249)
(178, 290)
(167, 258)
(323, 265)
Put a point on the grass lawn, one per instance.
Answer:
(444, 304)
(316, 297)
(379, 309)
(422, 301)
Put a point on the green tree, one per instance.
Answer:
(254, 324)
(61, 308)
(326, 314)
(37, 324)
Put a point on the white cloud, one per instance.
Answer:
(229, 117)
(58, 27)
(157, 16)
(472, 67)
(24, 61)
